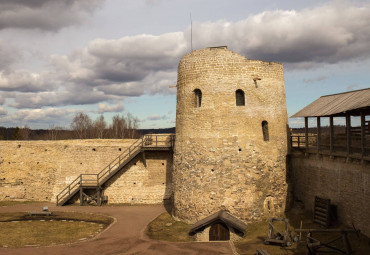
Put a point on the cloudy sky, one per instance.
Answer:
(59, 57)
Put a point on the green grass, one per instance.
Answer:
(164, 227)
(20, 229)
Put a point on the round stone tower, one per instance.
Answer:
(231, 136)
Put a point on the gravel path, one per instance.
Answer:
(125, 236)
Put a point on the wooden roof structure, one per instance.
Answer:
(338, 105)
(225, 217)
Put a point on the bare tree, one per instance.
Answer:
(25, 132)
(81, 124)
(17, 135)
(99, 127)
(132, 125)
(118, 127)
(53, 132)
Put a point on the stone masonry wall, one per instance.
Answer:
(39, 170)
(221, 160)
(346, 184)
(145, 180)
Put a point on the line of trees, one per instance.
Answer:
(123, 126)
(81, 127)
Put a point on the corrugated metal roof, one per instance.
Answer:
(336, 104)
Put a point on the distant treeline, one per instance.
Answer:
(82, 127)
(63, 134)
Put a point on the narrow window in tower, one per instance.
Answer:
(265, 130)
(239, 96)
(198, 97)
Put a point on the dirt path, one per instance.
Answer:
(125, 236)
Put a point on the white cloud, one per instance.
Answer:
(335, 31)
(8, 55)
(156, 117)
(3, 111)
(2, 99)
(36, 115)
(25, 81)
(315, 79)
(102, 108)
(39, 117)
(59, 98)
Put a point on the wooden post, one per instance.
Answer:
(81, 196)
(331, 135)
(348, 128)
(298, 142)
(306, 132)
(318, 134)
(363, 136)
(98, 194)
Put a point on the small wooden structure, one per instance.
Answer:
(219, 232)
(275, 237)
(324, 212)
(348, 104)
(220, 225)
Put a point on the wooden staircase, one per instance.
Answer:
(90, 186)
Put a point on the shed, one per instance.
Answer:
(356, 140)
(218, 227)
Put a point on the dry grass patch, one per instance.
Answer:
(164, 227)
(20, 229)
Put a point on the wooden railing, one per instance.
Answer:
(336, 146)
(299, 141)
(96, 180)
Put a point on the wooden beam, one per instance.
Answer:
(98, 199)
(348, 128)
(81, 196)
(306, 132)
(331, 134)
(318, 134)
(363, 136)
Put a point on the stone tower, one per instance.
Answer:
(231, 136)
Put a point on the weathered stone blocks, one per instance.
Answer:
(221, 160)
(39, 170)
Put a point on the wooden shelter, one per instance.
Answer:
(347, 104)
(220, 225)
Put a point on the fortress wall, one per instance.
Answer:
(346, 184)
(39, 170)
(145, 180)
